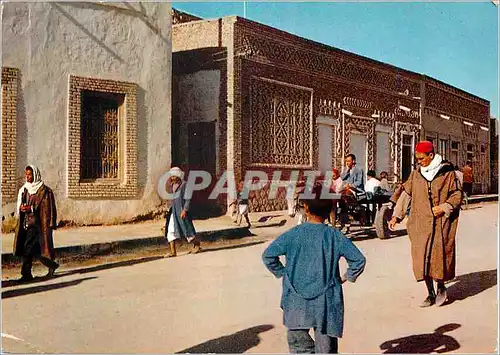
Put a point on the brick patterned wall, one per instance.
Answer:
(263, 204)
(127, 187)
(9, 133)
(452, 101)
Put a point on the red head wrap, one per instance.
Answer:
(425, 147)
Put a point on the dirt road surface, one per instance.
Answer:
(226, 301)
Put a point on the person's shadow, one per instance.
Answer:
(424, 343)
(469, 285)
(235, 343)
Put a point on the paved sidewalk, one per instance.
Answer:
(102, 239)
(482, 198)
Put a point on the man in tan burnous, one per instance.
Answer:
(434, 195)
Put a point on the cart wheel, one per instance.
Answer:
(384, 215)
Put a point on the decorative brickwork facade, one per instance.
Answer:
(280, 125)
(270, 76)
(126, 184)
(10, 85)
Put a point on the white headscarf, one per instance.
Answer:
(430, 171)
(175, 171)
(31, 187)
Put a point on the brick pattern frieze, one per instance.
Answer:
(448, 103)
(265, 47)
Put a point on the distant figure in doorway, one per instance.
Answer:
(36, 208)
(468, 178)
(312, 284)
(178, 223)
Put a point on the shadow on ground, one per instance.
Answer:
(42, 288)
(277, 224)
(83, 270)
(236, 343)
(264, 219)
(424, 343)
(469, 285)
(227, 247)
(366, 234)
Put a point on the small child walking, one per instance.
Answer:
(312, 287)
(241, 203)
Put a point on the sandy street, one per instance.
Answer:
(226, 301)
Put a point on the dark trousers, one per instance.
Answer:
(300, 342)
(467, 186)
(32, 251)
(28, 264)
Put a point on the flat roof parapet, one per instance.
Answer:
(183, 17)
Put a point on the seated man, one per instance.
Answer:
(371, 183)
(354, 184)
(353, 175)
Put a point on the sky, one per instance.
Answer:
(454, 42)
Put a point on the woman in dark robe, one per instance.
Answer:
(37, 212)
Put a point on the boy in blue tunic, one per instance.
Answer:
(312, 286)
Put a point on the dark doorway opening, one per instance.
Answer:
(407, 157)
(202, 156)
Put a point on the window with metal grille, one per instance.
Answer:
(100, 135)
